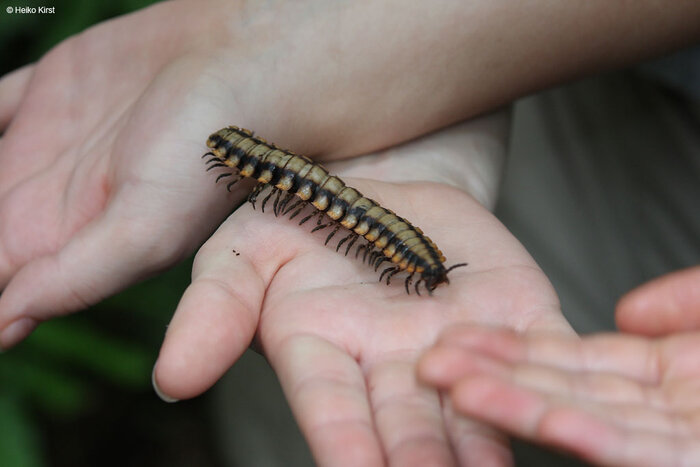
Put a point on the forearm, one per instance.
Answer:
(468, 156)
(368, 74)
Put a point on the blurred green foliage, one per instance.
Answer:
(60, 371)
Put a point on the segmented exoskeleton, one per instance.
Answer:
(389, 237)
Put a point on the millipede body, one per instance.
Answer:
(297, 181)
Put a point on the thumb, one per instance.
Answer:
(668, 304)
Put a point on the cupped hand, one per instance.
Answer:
(99, 182)
(343, 345)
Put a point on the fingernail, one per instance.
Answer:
(164, 397)
(16, 331)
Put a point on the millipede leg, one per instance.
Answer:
(285, 201)
(408, 283)
(389, 270)
(309, 217)
(426, 286)
(320, 226)
(207, 154)
(367, 251)
(373, 256)
(352, 242)
(277, 201)
(213, 166)
(277, 207)
(359, 249)
(328, 239)
(297, 212)
(223, 175)
(214, 158)
(253, 196)
(272, 192)
(370, 258)
(379, 262)
(392, 274)
(292, 206)
(417, 289)
(343, 240)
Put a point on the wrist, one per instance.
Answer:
(468, 156)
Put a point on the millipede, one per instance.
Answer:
(390, 238)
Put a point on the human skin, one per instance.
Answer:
(103, 135)
(666, 305)
(105, 114)
(345, 346)
(625, 399)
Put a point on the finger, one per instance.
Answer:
(628, 356)
(578, 386)
(493, 400)
(474, 443)
(663, 306)
(57, 284)
(328, 396)
(616, 399)
(12, 88)
(408, 416)
(602, 444)
(443, 365)
(214, 323)
(529, 415)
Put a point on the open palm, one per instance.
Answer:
(343, 345)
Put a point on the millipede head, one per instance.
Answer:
(438, 275)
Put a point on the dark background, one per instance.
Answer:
(78, 391)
